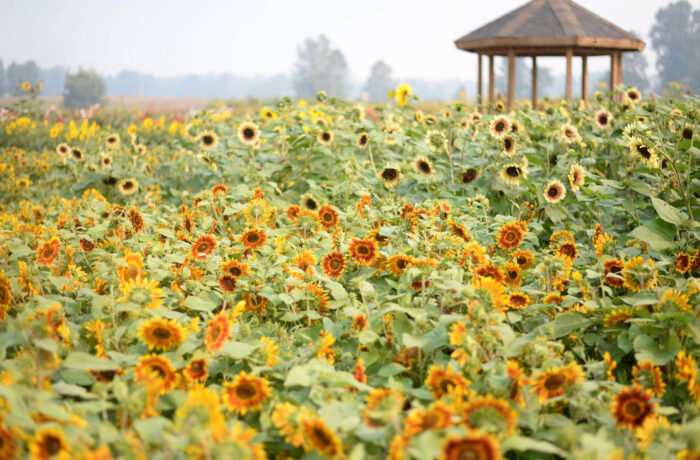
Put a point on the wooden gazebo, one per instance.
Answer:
(549, 28)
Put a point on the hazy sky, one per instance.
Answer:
(260, 37)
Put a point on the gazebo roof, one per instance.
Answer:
(548, 28)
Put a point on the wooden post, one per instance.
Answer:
(569, 56)
(479, 86)
(613, 63)
(511, 78)
(619, 68)
(584, 79)
(491, 82)
(534, 82)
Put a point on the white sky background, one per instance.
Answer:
(260, 37)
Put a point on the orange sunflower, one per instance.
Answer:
(399, 263)
(524, 258)
(196, 370)
(437, 416)
(328, 216)
(363, 251)
(318, 436)
(227, 282)
(203, 246)
(475, 445)
(246, 392)
(48, 251)
(333, 264)
(157, 372)
(554, 382)
(235, 268)
(163, 334)
(382, 406)
(217, 332)
(133, 268)
(441, 380)
(510, 235)
(518, 300)
(489, 414)
(612, 274)
(254, 238)
(49, 442)
(632, 406)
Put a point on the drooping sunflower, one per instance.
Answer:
(554, 192)
(491, 292)
(196, 370)
(569, 133)
(227, 282)
(363, 251)
(511, 173)
(391, 174)
(509, 145)
(443, 379)
(423, 166)
(436, 140)
(333, 264)
(472, 256)
(639, 274)
(202, 409)
(254, 238)
(48, 251)
(157, 372)
(644, 152)
(133, 268)
(500, 126)
(304, 261)
(318, 436)
(246, 392)
(603, 118)
(362, 140)
(128, 186)
(63, 150)
(469, 176)
(474, 445)
(576, 177)
(631, 406)
(161, 334)
(258, 212)
(489, 414)
(518, 300)
(511, 234)
(382, 406)
(617, 316)
(77, 154)
(48, 442)
(142, 292)
(307, 223)
(327, 216)
(248, 133)
(657, 428)
(217, 332)
(437, 416)
(649, 376)
(203, 246)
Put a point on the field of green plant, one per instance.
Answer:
(325, 279)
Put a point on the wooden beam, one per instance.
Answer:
(479, 84)
(584, 79)
(534, 82)
(481, 45)
(569, 56)
(511, 78)
(491, 82)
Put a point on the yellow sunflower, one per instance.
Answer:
(246, 392)
(162, 334)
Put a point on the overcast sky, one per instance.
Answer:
(260, 37)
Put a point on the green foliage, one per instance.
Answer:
(83, 89)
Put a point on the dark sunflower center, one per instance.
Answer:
(430, 421)
(77, 154)
(512, 274)
(208, 139)
(48, 252)
(203, 247)
(253, 238)
(633, 408)
(687, 133)
(128, 185)
(467, 452)
(446, 384)
(228, 282)
(363, 250)
(643, 150)
(326, 136)
(246, 390)
(389, 174)
(402, 263)
(321, 436)
(327, 217)
(235, 271)
(363, 140)
(63, 149)
(197, 367)
(469, 175)
(603, 119)
(569, 133)
(311, 204)
(161, 333)
(517, 300)
(52, 444)
(521, 260)
(513, 171)
(215, 332)
(248, 133)
(511, 236)
(159, 370)
(507, 143)
(554, 382)
(334, 264)
(500, 126)
(552, 192)
(424, 166)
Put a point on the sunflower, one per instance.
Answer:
(106, 161)
(437, 416)
(682, 262)
(472, 255)
(499, 106)
(633, 95)
(363, 251)
(489, 414)
(162, 334)
(500, 126)
(309, 202)
(567, 250)
(246, 392)
(327, 216)
(509, 145)
(293, 212)
(518, 300)
(49, 442)
(511, 234)
(645, 152)
(325, 137)
(510, 174)
(382, 406)
(554, 382)
(569, 133)
(317, 435)
(235, 268)
(141, 149)
(48, 251)
(474, 445)
(469, 176)
(631, 406)
(603, 118)
(253, 238)
(128, 186)
(576, 177)
(436, 140)
(77, 154)
(304, 261)
(202, 408)
(333, 264)
(654, 429)
(442, 380)
(217, 332)
(157, 372)
(258, 212)
(639, 274)
(227, 282)
(523, 258)
(203, 246)
(133, 268)
(391, 175)
(554, 192)
(5, 293)
(112, 141)
(649, 376)
(491, 291)
(673, 300)
(362, 140)
(248, 133)
(268, 114)
(142, 292)
(63, 149)
(196, 370)
(513, 276)
(423, 166)
(403, 94)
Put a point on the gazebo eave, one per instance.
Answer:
(549, 46)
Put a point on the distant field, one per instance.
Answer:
(134, 102)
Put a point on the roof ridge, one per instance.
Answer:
(566, 17)
(528, 10)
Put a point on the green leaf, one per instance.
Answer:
(522, 443)
(196, 303)
(666, 211)
(237, 350)
(337, 290)
(657, 233)
(151, 429)
(298, 375)
(86, 361)
(566, 323)
(648, 350)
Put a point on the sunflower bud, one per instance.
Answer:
(321, 96)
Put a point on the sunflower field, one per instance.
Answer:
(322, 279)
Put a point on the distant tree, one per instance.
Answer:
(379, 82)
(19, 73)
(83, 89)
(634, 72)
(53, 80)
(523, 78)
(2, 78)
(676, 39)
(320, 68)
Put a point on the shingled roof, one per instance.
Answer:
(548, 27)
